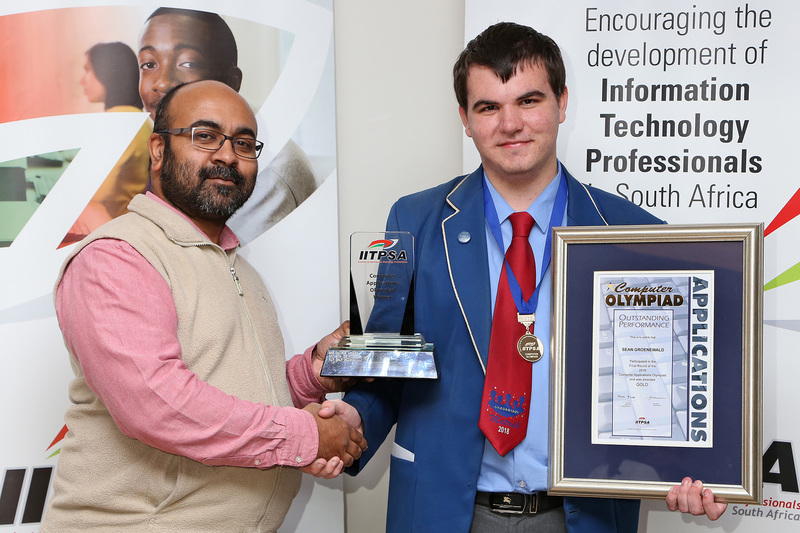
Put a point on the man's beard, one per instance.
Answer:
(203, 199)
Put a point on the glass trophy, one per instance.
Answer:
(382, 341)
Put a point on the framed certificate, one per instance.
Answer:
(656, 360)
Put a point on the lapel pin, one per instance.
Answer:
(464, 237)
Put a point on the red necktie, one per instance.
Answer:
(507, 388)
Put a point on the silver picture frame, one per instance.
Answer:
(731, 467)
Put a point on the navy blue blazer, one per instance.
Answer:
(433, 481)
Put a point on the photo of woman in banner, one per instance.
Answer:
(111, 77)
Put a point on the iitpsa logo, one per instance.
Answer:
(382, 250)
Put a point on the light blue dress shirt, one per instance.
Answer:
(524, 469)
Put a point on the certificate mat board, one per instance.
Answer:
(653, 357)
(731, 466)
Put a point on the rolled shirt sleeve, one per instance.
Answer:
(303, 383)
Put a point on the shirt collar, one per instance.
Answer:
(542, 207)
(227, 239)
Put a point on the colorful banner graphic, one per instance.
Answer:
(78, 84)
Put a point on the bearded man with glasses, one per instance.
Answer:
(185, 415)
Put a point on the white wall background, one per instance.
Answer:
(398, 132)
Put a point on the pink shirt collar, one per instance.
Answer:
(227, 239)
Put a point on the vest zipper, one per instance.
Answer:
(232, 271)
(236, 281)
(279, 471)
(261, 357)
(252, 328)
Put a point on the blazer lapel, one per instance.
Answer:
(465, 245)
(468, 264)
(581, 209)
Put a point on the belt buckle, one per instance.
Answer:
(507, 502)
(533, 508)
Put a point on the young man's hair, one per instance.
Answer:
(505, 47)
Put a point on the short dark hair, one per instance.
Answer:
(162, 119)
(505, 46)
(115, 66)
(224, 54)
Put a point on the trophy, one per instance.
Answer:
(382, 341)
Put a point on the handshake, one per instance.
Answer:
(340, 428)
(341, 441)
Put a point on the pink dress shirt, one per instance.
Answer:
(123, 331)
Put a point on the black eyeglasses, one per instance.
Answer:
(211, 141)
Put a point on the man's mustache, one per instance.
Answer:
(222, 172)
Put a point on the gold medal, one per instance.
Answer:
(529, 346)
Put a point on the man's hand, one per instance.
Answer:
(343, 409)
(331, 469)
(318, 357)
(337, 438)
(326, 469)
(689, 497)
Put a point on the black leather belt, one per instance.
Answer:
(518, 503)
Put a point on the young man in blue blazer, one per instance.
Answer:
(446, 475)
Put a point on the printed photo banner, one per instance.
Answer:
(78, 84)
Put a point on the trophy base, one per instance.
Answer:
(381, 355)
